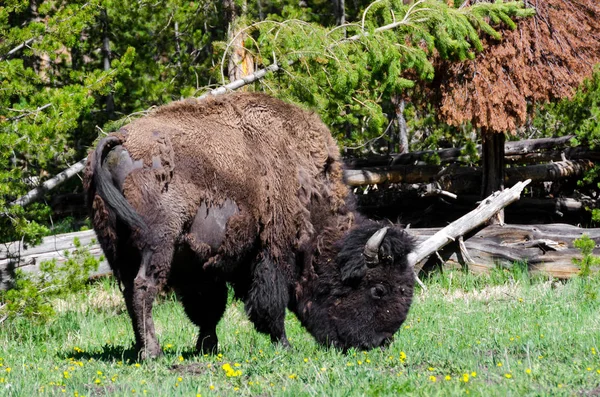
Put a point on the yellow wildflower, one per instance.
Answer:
(528, 371)
(473, 374)
(432, 378)
(8, 369)
(229, 371)
(97, 381)
(499, 364)
(212, 387)
(305, 360)
(507, 376)
(180, 358)
(402, 357)
(293, 376)
(465, 378)
(448, 377)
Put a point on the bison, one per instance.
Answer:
(245, 190)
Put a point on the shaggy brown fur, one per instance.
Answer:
(240, 189)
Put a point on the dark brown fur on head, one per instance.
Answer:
(350, 304)
(248, 190)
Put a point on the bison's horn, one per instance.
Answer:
(371, 251)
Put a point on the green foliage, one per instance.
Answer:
(586, 245)
(350, 73)
(32, 293)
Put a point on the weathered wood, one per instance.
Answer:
(50, 184)
(488, 208)
(461, 180)
(17, 255)
(546, 249)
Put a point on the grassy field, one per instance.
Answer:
(501, 334)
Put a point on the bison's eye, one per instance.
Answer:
(378, 291)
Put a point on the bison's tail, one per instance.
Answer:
(108, 192)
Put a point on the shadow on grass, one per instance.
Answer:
(105, 353)
(121, 353)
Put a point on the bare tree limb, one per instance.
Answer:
(17, 48)
(473, 219)
(50, 184)
(21, 116)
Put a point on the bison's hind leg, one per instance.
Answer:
(268, 298)
(204, 299)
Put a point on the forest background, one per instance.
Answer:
(71, 71)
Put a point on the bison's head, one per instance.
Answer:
(361, 296)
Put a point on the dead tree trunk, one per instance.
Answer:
(492, 158)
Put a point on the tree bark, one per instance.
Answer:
(492, 158)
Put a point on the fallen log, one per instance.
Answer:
(546, 249)
(18, 255)
(488, 208)
(460, 180)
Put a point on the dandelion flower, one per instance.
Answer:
(473, 374)
(448, 377)
(508, 376)
(432, 378)
(499, 364)
(465, 378)
(528, 371)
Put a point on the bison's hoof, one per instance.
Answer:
(146, 354)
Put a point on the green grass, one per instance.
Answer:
(501, 334)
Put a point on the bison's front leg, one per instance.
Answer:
(139, 297)
(267, 299)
